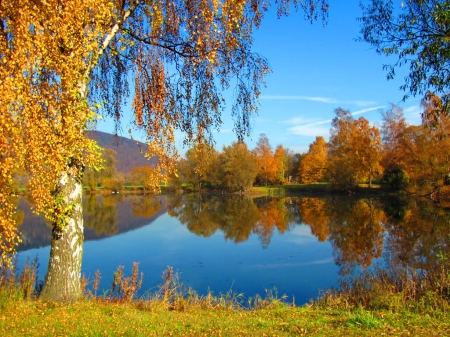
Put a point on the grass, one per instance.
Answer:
(316, 188)
(374, 304)
(95, 318)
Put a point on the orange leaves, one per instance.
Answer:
(313, 165)
(354, 150)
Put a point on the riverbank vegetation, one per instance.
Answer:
(378, 302)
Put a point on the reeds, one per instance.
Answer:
(378, 289)
(392, 289)
(14, 282)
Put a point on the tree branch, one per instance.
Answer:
(109, 37)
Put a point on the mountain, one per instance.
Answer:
(130, 153)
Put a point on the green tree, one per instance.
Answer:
(143, 176)
(198, 166)
(415, 31)
(238, 167)
(94, 177)
(281, 161)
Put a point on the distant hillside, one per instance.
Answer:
(128, 151)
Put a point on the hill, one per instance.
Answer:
(130, 153)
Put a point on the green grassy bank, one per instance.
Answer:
(94, 318)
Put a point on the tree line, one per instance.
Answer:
(402, 157)
(412, 158)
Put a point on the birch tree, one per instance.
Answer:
(64, 64)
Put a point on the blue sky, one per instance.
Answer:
(316, 69)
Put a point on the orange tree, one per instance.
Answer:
(354, 150)
(62, 63)
(267, 165)
(313, 165)
(416, 157)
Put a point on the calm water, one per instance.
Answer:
(298, 245)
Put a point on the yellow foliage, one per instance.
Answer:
(62, 61)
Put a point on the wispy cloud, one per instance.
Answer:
(359, 112)
(300, 98)
(360, 103)
(311, 130)
(314, 127)
(299, 120)
(413, 114)
(321, 99)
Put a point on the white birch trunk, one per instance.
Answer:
(63, 279)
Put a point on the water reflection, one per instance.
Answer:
(419, 235)
(100, 214)
(103, 215)
(293, 232)
(416, 229)
(236, 216)
(356, 232)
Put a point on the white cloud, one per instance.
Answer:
(299, 120)
(359, 112)
(327, 100)
(413, 115)
(300, 98)
(311, 130)
(361, 103)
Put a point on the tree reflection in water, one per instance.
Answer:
(419, 237)
(414, 233)
(417, 231)
(236, 216)
(104, 215)
(100, 213)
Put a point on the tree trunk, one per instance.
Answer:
(62, 282)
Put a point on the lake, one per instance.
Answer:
(298, 246)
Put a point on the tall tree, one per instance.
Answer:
(416, 157)
(392, 129)
(313, 165)
(416, 31)
(62, 61)
(267, 166)
(239, 167)
(198, 165)
(142, 176)
(354, 150)
(281, 161)
(93, 177)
